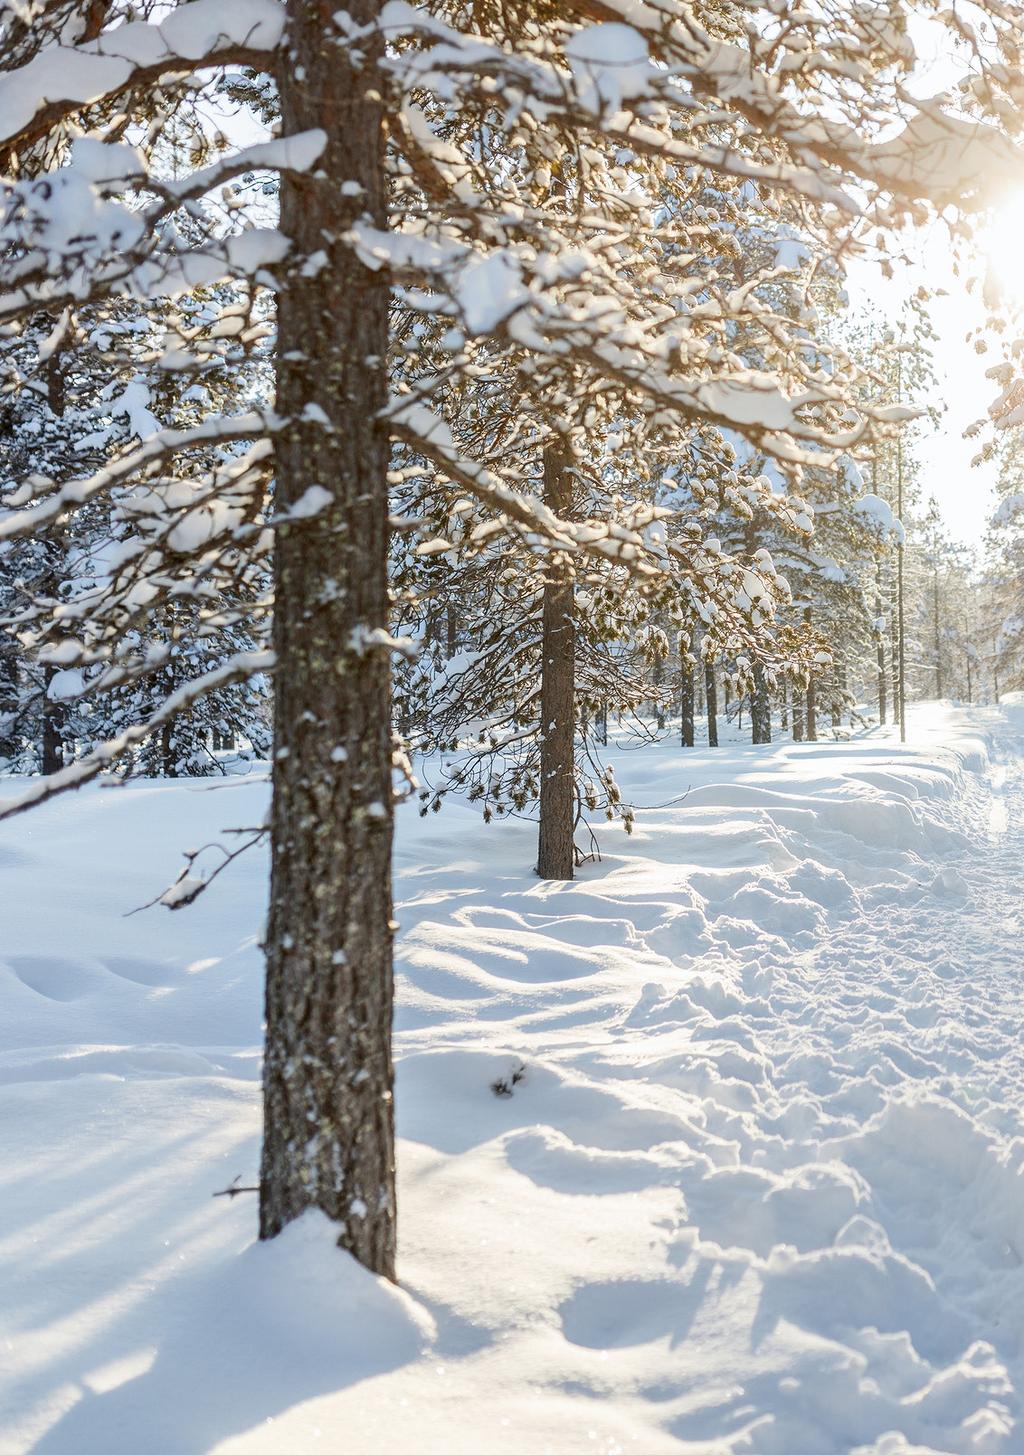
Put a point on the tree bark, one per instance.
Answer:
(9, 745)
(798, 716)
(556, 857)
(810, 700)
(328, 1077)
(711, 696)
(686, 694)
(760, 707)
(52, 728)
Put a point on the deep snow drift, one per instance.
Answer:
(758, 1190)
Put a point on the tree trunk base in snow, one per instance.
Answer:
(556, 853)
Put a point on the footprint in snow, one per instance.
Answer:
(54, 978)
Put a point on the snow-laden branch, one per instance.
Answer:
(161, 446)
(61, 79)
(238, 668)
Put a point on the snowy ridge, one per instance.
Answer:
(752, 1184)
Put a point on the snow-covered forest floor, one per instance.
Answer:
(758, 1188)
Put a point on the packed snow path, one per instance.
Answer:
(756, 1187)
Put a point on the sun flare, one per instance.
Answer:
(1001, 244)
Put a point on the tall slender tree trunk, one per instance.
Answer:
(880, 652)
(760, 707)
(686, 692)
(937, 620)
(783, 706)
(556, 857)
(9, 745)
(799, 699)
(894, 645)
(52, 726)
(810, 700)
(995, 669)
(711, 696)
(168, 760)
(329, 1127)
(53, 714)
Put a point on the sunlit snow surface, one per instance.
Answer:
(759, 1190)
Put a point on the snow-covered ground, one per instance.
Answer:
(759, 1188)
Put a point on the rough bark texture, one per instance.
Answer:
(555, 853)
(329, 1132)
(760, 707)
(711, 694)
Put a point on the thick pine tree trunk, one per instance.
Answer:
(556, 858)
(329, 1130)
(760, 707)
(711, 696)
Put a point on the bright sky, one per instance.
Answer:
(964, 491)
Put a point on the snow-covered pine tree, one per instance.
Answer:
(803, 102)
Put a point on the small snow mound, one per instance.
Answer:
(950, 883)
(302, 1280)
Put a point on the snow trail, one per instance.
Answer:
(756, 1188)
